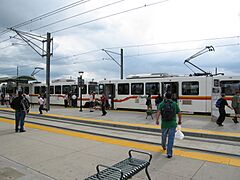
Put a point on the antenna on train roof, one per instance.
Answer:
(204, 73)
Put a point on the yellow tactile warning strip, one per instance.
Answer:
(147, 147)
(135, 125)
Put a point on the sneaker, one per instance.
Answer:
(220, 124)
(169, 156)
(235, 120)
(22, 131)
(164, 148)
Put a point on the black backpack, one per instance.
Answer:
(168, 111)
(13, 104)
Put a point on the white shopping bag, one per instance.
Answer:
(179, 134)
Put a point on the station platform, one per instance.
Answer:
(48, 153)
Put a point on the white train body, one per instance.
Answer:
(60, 87)
(194, 93)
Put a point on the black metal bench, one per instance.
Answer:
(124, 169)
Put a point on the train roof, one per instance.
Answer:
(152, 75)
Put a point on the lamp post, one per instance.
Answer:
(80, 84)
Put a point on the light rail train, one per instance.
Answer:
(194, 93)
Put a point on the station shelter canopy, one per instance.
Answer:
(19, 79)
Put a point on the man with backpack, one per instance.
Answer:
(168, 110)
(21, 106)
(220, 104)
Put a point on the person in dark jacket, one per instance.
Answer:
(222, 112)
(21, 106)
(103, 104)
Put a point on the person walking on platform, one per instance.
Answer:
(91, 101)
(168, 110)
(149, 103)
(41, 102)
(221, 108)
(65, 100)
(236, 106)
(103, 104)
(21, 106)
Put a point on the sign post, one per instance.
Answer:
(80, 85)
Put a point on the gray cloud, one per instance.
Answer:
(151, 25)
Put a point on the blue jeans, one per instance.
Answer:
(170, 133)
(19, 118)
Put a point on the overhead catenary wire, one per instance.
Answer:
(173, 42)
(179, 50)
(5, 40)
(43, 16)
(76, 15)
(107, 16)
(151, 53)
(152, 44)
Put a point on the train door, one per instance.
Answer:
(170, 87)
(110, 93)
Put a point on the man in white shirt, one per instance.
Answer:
(41, 102)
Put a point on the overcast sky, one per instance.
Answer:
(155, 38)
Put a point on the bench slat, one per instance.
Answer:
(129, 167)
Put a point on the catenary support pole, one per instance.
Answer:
(121, 63)
(48, 71)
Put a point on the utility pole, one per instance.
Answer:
(121, 63)
(121, 56)
(17, 81)
(31, 40)
(48, 55)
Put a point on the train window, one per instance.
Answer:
(101, 88)
(190, 88)
(26, 90)
(74, 89)
(37, 90)
(137, 88)
(58, 89)
(43, 89)
(152, 88)
(51, 89)
(123, 89)
(230, 87)
(93, 88)
(84, 89)
(66, 89)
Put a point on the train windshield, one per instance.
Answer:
(230, 87)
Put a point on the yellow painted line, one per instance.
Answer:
(145, 125)
(136, 124)
(147, 147)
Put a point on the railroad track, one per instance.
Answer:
(219, 145)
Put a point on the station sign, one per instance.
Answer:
(80, 82)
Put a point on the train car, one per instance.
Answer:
(194, 93)
(60, 87)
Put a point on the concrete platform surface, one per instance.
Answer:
(198, 122)
(40, 154)
(43, 154)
